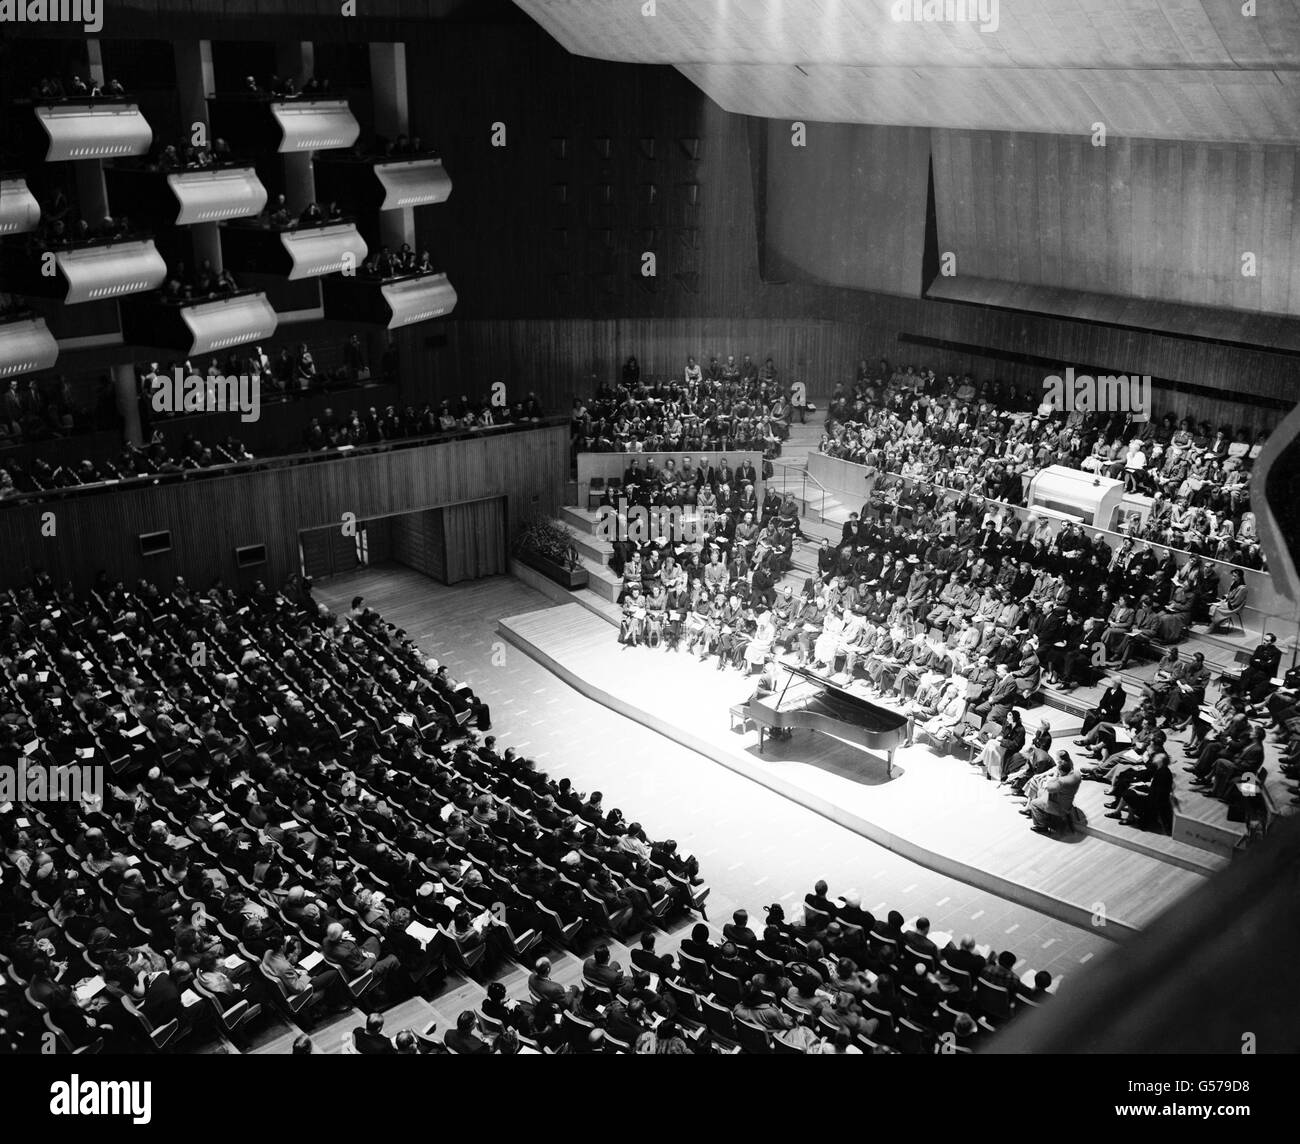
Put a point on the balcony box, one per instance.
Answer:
(19, 210)
(195, 328)
(181, 198)
(93, 130)
(306, 252)
(368, 185)
(90, 271)
(284, 125)
(26, 345)
(392, 303)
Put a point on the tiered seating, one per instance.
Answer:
(835, 980)
(327, 433)
(719, 407)
(265, 757)
(918, 432)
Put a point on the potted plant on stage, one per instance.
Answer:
(546, 547)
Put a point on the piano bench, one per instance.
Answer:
(740, 713)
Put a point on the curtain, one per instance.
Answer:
(475, 535)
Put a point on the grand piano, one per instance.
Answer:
(818, 703)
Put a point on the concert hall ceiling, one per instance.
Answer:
(1196, 70)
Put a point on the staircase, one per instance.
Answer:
(603, 586)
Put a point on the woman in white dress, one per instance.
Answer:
(826, 644)
(944, 726)
(760, 647)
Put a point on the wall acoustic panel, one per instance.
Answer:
(210, 196)
(94, 131)
(316, 125)
(94, 273)
(417, 183)
(25, 347)
(1151, 219)
(19, 210)
(846, 207)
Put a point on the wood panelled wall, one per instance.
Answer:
(1145, 218)
(418, 542)
(209, 519)
(550, 291)
(877, 180)
(554, 223)
(604, 161)
(562, 359)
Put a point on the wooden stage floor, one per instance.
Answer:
(938, 812)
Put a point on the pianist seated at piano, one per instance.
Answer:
(802, 697)
(770, 678)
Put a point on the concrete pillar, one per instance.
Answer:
(195, 81)
(128, 405)
(92, 194)
(297, 61)
(392, 118)
(95, 61)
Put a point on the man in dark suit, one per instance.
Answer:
(1042, 984)
(1003, 694)
(540, 985)
(599, 970)
(353, 959)
(162, 999)
(1055, 803)
(698, 944)
(745, 472)
(731, 960)
(918, 939)
(1108, 708)
(626, 1020)
(965, 958)
(851, 913)
(1256, 677)
(369, 1039)
(738, 930)
(1228, 769)
(462, 1040)
(645, 958)
(819, 902)
(891, 928)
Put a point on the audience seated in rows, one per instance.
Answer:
(916, 431)
(306, 781)
(726, 406)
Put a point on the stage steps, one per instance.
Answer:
(593, 601)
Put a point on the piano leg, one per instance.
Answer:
(760, 736)
(889, 764)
